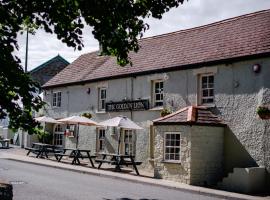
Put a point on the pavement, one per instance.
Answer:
(19, 154)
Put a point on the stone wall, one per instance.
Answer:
(180, 171)
(207, 154)
(201, 155)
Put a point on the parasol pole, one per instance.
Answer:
(77, 136)
(119, 141)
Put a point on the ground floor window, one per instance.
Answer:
(128, 142)
(172, 146)
(58, 139)
(58, 136)
(101, 139)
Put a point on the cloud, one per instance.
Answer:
(192, 13)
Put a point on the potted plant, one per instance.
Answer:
(87, 115)
(45, 137)
(164, 112)
(263, 112)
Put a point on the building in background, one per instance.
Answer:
(42, 74)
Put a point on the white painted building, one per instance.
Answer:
(224, 67)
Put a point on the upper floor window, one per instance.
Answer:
(56, 99)
(158, 93)
(172, 146)
(102, 94)
(207, 89)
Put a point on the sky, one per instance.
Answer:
(43, 46)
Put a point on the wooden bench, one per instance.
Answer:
(32, 150)
(101, 161)
(130, 163)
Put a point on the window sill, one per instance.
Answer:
(157, 108)
(171, 161)
(100, 112)
(209, 105)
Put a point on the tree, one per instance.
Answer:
(117, 26)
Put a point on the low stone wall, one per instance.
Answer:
(6, 191)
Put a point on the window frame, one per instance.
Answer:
(130, 142)
(100, 89)
(101, 139)
(200, 94)
(58, 137)
(164, 150)
(155, 101)
(57, 99)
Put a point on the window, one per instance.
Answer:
(207, 89)
(128, 142)
(57, 99)
(58, 137)
(158, 93)
(101, 139)
(172, 146)
(101, 99)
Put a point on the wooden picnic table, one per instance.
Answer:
(76, 154)
(118, 160)
(41, 150)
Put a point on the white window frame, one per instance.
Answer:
(56, 99)
(58, 138)
(208, 88)
(101, 140)
(100, 99)
(161, 93)
(170, 146)
(128, 143)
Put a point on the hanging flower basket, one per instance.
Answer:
(263, 112)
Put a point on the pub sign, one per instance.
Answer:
(135, 105)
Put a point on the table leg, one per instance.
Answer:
(134, 165)
(117, 164)
(91, 161)
(104, 157)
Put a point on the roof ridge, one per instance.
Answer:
(48, 62)
(207, 25)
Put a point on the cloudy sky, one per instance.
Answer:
(43, 46)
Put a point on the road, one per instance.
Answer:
(46, 183)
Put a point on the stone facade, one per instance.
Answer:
(201, 154)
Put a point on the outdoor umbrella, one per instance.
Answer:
(47, 120)
(79, 121)
(121, 122)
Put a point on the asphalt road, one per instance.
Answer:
(46, 183)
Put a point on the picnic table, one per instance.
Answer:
(118, 160)
(76, 154)
(4, 143)
(41, 150)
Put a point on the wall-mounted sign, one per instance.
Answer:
(135, 105)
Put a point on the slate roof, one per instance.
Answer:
(239, 37)
(191, 115)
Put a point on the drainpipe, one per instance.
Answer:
(132, 96)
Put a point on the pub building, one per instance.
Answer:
(205, 79)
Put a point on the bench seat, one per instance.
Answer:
(105, 161)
